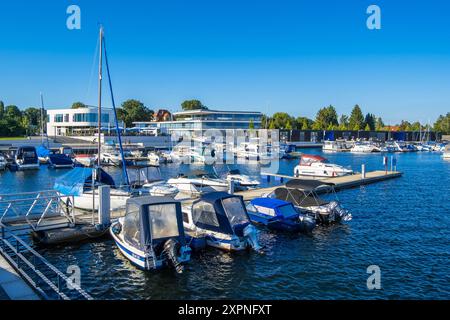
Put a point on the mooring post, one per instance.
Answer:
(104, 205)
(363, 171)
(231, 187)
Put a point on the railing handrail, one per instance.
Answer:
(45, 262)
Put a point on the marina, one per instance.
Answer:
(231, 152)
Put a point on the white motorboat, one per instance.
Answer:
(241, 181)
(147, 180)
(223, 220)
(336, 146)
(199, 181)
(151, 234)
(86, 160)
(364, 148)
(317, 166)
(446, 153)
(153, 159)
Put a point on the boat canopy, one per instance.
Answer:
(43, 151)
(269, 203)
(307, 185)
(220, 212)
(298, 198)
(141, 174)
(78, 180)
(152, 220)
(307, 159)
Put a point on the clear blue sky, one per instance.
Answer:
(293, 56)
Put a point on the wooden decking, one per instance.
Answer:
(344, 182)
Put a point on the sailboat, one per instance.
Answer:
(82, 183)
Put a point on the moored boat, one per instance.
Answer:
(151, 234)
(279, 215)
(317, 166)
(223, 220)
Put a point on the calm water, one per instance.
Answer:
(401, 225)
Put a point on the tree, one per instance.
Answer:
(78, 105)
(134, 111)
(192, 105)
(288, 125)
(379, 125)
(304, 123)
(367, 128)
(356, 121)
(251, 125)
(442, 124)
(369, 121)
(343, 122)
(281, 120)
(272, 125)
(326, 118)
(13, 112)
(2, 109)
(405, 126)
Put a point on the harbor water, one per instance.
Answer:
(400, 225)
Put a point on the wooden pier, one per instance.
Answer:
(340, 183)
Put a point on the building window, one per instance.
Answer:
(58, 118)
(66, 118)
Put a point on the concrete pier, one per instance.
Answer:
(12, 286)
(344, 182)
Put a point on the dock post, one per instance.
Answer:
(231, 187)
(104, 204)
(363, 171)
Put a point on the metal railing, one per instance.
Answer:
(35, 207)
(44, 277)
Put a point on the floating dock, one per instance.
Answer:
(340, 183)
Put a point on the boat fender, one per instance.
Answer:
(171, 249)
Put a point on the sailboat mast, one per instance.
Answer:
(100, 70)
(42, 119)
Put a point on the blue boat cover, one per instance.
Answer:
(269, 203)
(76, 180)
(43, 152)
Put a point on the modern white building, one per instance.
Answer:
(201, 120)
(82, 121)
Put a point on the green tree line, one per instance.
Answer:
(327, 118)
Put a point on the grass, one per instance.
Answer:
(12, 138)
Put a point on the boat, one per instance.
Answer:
(279, 215)
(23, 158)
(404, 147)
(199, 181)
(153, 158)
(83, 183)
(223, 220)
(86, 160)
(151, 234)
(146, 179)
(241, 181)
(317, 166)
(360, 147)
(304, 195)
(54, 158)
(446, 154)
(3, 162)
(78, 183)
(335, 146)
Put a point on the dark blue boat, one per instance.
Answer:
(279, 215)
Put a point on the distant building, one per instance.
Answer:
(82, 121)
(201, 120)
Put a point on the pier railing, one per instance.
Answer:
(45, 278)
(40, 210)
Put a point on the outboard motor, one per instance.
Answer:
(340, 212)
(171, 249)
(251, 236)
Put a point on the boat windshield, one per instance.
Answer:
(163, 221)
(235, 211)
(287, 210)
